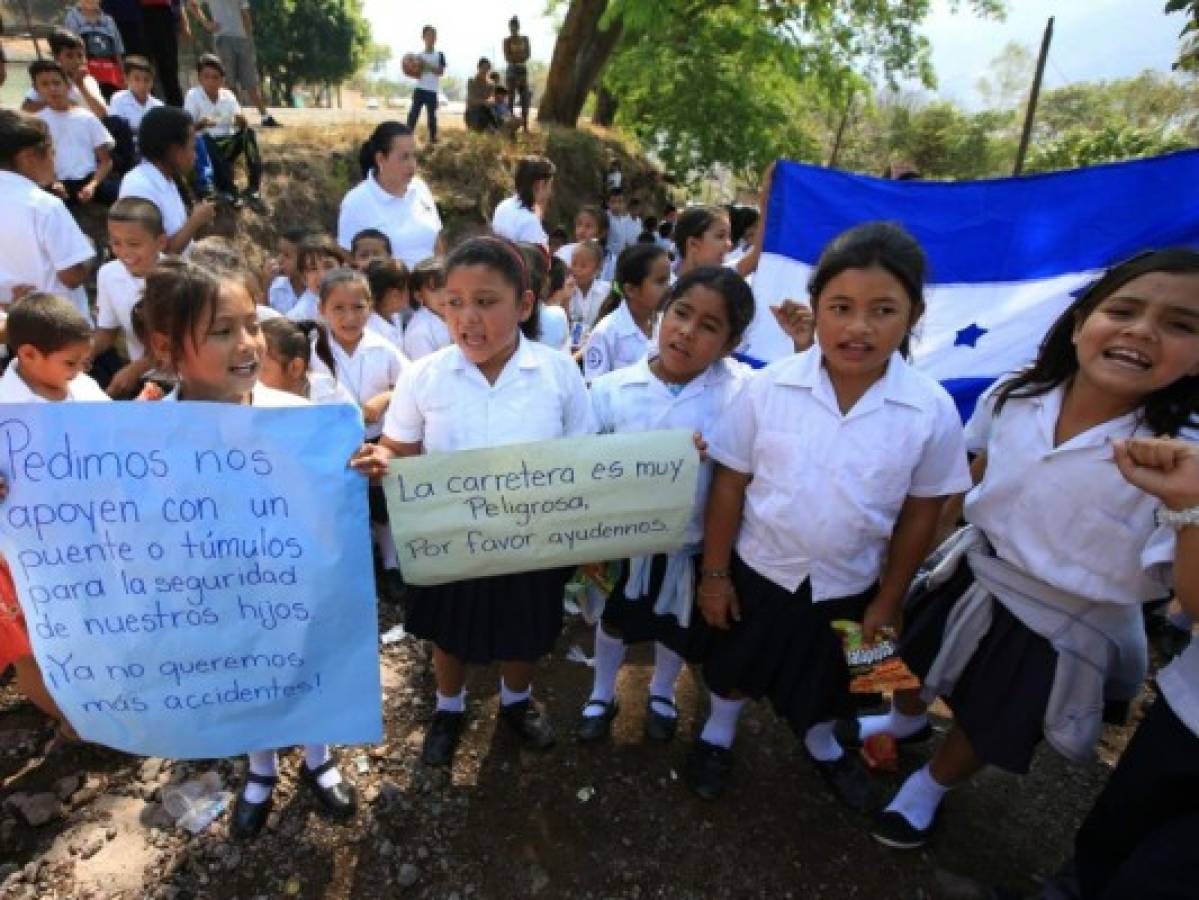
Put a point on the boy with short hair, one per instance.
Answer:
(66, 49)
(42, 247)
(83, 157)
(136, 100)
(368, 245)
(428, 85)
(136, 236)
(227, 135)
(51, 343)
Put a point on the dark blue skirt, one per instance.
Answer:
(635, 621)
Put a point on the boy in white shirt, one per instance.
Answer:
(82, 146)
(136, 100)
(432, 67)
(51, 342)
(137, 239)
(623, 228)
(41, 246)
(226, 133)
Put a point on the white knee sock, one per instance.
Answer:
(721, 727)
(454, 704)
(262, 762)
(821, 744)
(315, 756)
(609, 654)
(893, 723)
(386, 544)
(509, 697)
(667, 665)
(918, 799)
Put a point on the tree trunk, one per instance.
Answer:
(605, 107)
(580, 53)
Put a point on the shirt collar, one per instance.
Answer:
(384, 195)
(806, 370)
(622, 321)
(1049, 410)
(525, 358)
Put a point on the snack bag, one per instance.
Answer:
(873, 668)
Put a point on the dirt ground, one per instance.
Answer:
(581, 822)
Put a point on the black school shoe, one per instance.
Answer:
(849, 780)
(848, 733)
(340, 801)
(658, 727)
(441, 740)
(892, 829)
(707, 769)
(529, 723)
(248, 818)
(592, 729)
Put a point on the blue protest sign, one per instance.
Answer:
(196, 577)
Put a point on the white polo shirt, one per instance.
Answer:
(307, 308)
(516, 222)
(76, 134)
(411, 222)
(827, 488)
(444, 403)
(81, 389)
(325, 390)
(222, 111)
(426, 333)
(634, 399)
(1064, 513)
(614, 343)
(145, 180)
(117, 291)
(38, 239)
(585, 307)
(370, 370)
(125, 105)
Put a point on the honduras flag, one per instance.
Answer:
(1006, 256)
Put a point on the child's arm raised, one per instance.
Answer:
(909, 545)
(748, 264)
(716, 598)
(1169, 470)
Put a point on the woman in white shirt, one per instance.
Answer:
(391, 197)
(519, 217)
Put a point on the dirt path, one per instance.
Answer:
(579, 822)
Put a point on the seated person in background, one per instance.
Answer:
(502, 112)
(82, 146)
(478, 115)
(136, 100)
(226, 133)
(102, 43)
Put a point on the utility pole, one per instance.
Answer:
(1031, 112)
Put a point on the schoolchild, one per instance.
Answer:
(318, 255)
(625, 323)
(589, 292)
(285, 281)
(426, 331)
(287, 362)
(389, 282)
(519, 217)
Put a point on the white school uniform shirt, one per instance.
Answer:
(307, 308)
(391, 330)
(607, 271)
(125, 105)
(146, 180)
(222, 111)
(827, 488)
(623, 231)
(80, 389)
(281, 295)
(516, 222)
(1065, 514)
(325, 390)
(373, 367)
(615, 342)
(554, 327)
(585, 307)
(117, 291)
(426, 333)
(73, 93)
(411, 222)
(76, 134)
(634, 399)
(444, 403)
(260, 395)
(38, 239)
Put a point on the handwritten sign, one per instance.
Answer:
(538, 506)
(196, 577)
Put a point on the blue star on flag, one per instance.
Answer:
(968, 336)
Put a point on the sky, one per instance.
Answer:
(1093, 39)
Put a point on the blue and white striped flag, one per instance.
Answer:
(1006, 256)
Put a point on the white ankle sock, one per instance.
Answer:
(386, 544)
(893, 723)
(821, 744)
(508, 697)
(918, 799)
(667, 665)
(262, 762)
(455, 704)
(315, 756)
(609, 654)
(721, 727)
